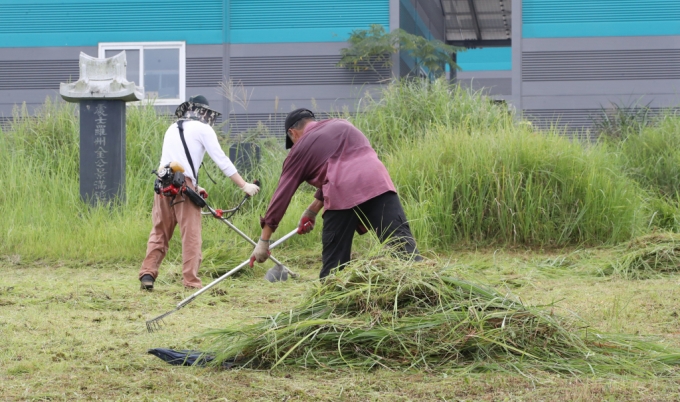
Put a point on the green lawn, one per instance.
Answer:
(76, 332)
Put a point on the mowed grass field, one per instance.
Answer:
(575, 228)
(77, 332)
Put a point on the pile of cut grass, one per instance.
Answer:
(397, 315)
(648, 257)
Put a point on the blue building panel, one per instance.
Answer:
(87, 22)
(299, 21)
(487, 59)
(56, 23)
(599, 18)
(92, 39)
(293, 35)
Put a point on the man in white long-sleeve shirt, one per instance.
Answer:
(196, 119)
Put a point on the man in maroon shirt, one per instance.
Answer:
(353, 186)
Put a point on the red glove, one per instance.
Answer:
(202, 192)
(307, 222)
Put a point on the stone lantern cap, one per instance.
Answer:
(101, 79)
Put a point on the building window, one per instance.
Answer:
(159, 67)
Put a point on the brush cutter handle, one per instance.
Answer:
(219, 213)
(232, 272)
(257, 183)
(233, 211)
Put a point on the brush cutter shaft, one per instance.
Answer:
(214, 212)
(237, 230)
(230, 273)
(245, 236)
(248, 239)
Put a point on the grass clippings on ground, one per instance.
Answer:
(384, 313)
(74, 332)
(649, 256)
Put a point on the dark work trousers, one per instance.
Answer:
(383, 214)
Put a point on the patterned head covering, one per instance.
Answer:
(197, 108)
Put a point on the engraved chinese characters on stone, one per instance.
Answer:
(102, 150)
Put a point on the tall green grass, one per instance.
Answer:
(648, 146)
(44, 217)
(621, 121)
(406, 110)
(467, 171)
(514, 187)
(651, 155)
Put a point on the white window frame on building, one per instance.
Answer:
(141, 47)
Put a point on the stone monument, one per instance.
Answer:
(245, 155)
(102, 91)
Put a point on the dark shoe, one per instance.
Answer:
(147, 282)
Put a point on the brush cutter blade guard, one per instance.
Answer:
(278, 273)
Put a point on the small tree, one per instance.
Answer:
(372, 48)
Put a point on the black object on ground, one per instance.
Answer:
(186, 357)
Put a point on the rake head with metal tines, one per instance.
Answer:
(156, 323)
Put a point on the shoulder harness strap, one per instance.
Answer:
(180, 123)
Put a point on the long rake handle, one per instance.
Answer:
(233, 271)
(154, 323)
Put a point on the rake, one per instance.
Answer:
(156, 323)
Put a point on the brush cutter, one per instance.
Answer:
(155, 324)
(279, 272)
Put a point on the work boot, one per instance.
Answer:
(147, 282)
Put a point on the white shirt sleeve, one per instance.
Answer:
(214, 149)
(200, 138)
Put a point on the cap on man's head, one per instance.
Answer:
(292, 118)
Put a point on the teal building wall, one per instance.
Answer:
(486, 59)
(56, 23)
(597, 18)
(574, 59)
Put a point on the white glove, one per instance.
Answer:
(261, 252)
(250, 189)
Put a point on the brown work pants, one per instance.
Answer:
(165, 218)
